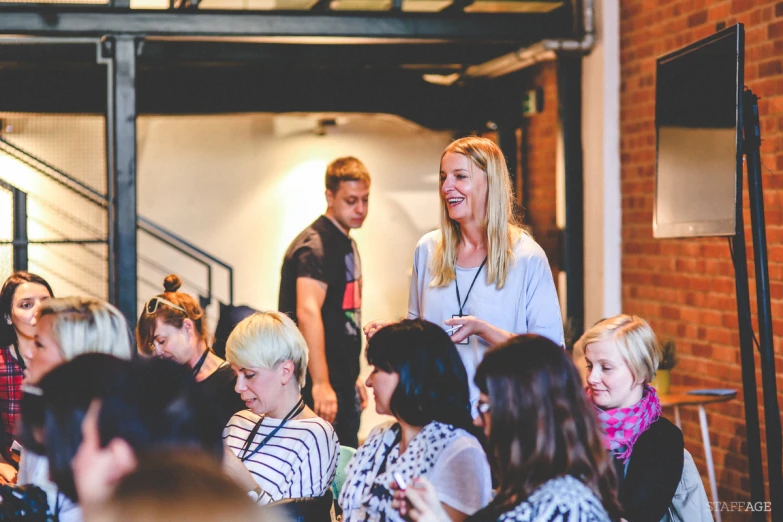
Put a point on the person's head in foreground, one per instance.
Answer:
(66, 394)
(545, 443)
(175, 485)
(154, 406)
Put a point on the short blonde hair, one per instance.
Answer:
(634, 339)
(88, 325)
(266, 339)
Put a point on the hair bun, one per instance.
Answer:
(172, 283)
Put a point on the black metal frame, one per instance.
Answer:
(68, 20)
(774, 439)
(569, 95)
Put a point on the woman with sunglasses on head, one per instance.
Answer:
(545, 443)
(172, 325)
(20, 299)
(418, 377)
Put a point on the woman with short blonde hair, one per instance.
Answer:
(279, 448)
(658, 479)
(267, 339)
(66, 327)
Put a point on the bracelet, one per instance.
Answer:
(255, 494)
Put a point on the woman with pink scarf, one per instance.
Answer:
(622, 356)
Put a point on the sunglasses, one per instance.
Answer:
(153, 304)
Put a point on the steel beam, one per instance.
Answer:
(396, 26)
(20, 229)
(121, 130)
(569, 94)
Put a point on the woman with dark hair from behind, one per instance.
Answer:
(20, 299)
(173, 326)
(178, 486)
(545, 442)
(63, 407)
(418, 377)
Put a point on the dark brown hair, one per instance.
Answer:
(145, 330)
(543, 425)
(345, 169)
(178, 485)
(14, 281)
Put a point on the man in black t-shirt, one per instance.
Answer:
(321, 289)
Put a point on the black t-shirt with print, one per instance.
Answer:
(324, 253)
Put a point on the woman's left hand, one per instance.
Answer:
(420, 502)
(474, 326)
(469, 326)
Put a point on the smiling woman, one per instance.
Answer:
(481, 271)
(280, 448)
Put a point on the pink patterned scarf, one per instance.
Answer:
(623, 426)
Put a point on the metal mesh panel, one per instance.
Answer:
(38, 154)
(71, 143)
(72, 269)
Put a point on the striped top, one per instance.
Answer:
(299, 461)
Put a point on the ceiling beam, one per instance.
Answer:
(396, 26)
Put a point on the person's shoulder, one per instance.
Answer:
(316, 426)
(525, 246)
(309, 237)
(429, 240)
(464, 441)
(661, 440)
(243, 419)
(565, 495)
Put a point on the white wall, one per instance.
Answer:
(231, 186)
(601, 145)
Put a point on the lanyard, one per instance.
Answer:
(461, 303)
(200, 362)
(296, 410)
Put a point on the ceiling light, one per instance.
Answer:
(441, 79)
(511, 6)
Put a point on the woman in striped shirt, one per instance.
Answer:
(279, 448)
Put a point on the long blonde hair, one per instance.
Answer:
(500, 224)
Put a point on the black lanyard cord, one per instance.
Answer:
(296, 410)
(461, 303)
(200, 362)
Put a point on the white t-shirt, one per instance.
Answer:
(300, 460)
(526, 304)
(34, 469)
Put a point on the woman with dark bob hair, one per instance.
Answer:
(418, 377)
(545, 442)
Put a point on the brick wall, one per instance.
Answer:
(685, 288)
(538, 158)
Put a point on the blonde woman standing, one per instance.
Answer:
(482, 277)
